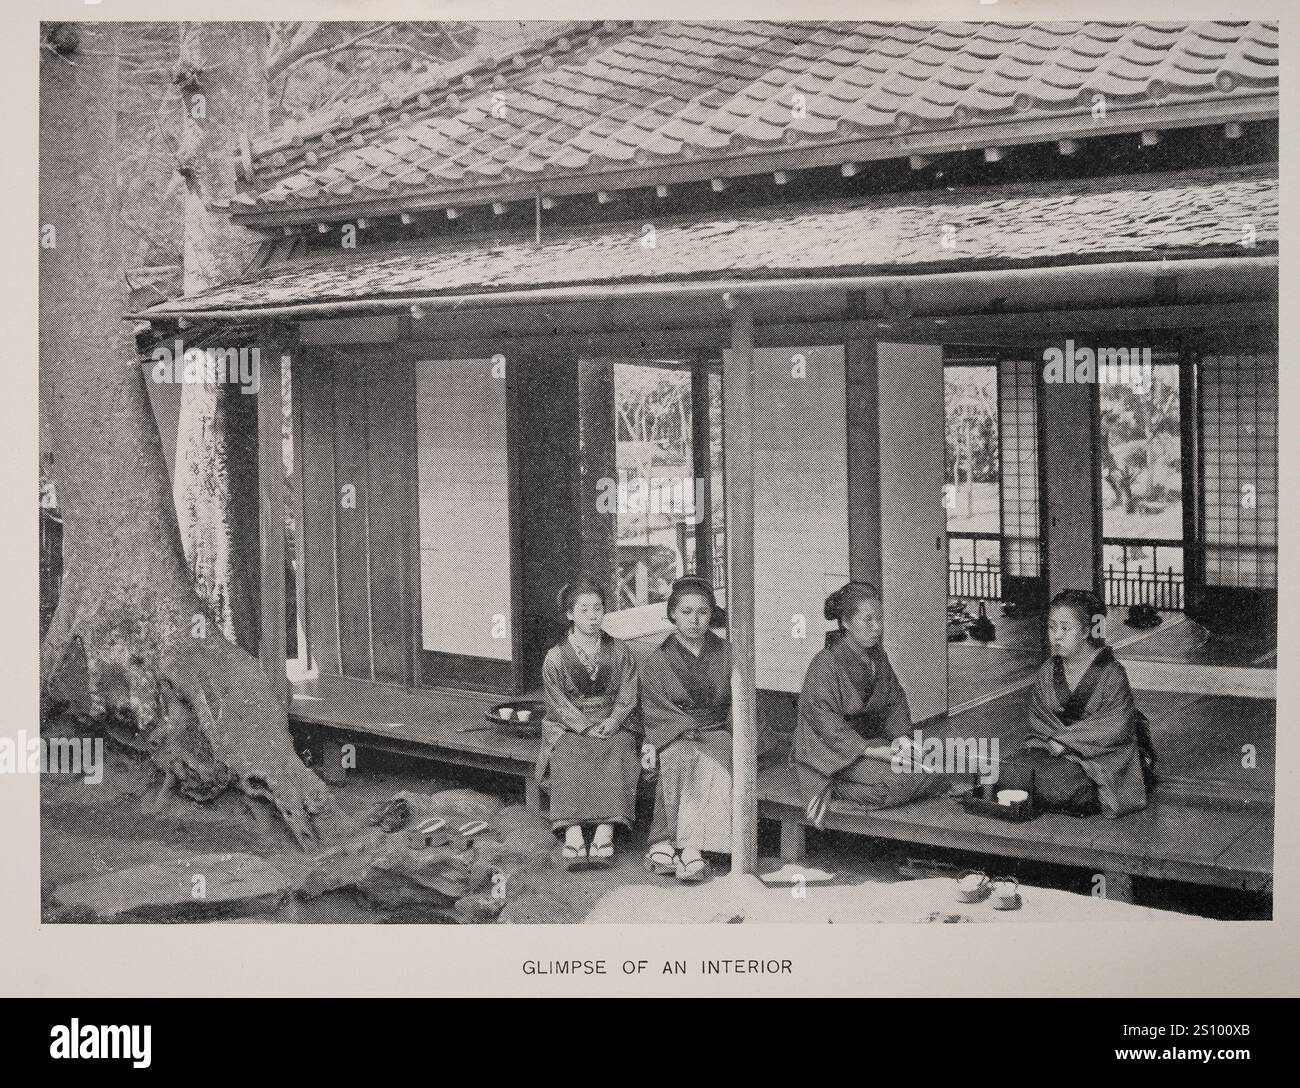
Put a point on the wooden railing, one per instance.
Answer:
(1132, 582)
(975, 579)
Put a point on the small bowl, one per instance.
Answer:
(510, 718)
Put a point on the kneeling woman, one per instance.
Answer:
(1088, 744)
(853, 733)
(686, 708)
(589, 734)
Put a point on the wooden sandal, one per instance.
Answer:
(575, 857)
(600, 855)
(430, 833)
(973, 886)
(1006, 893)
(693, 871)
(660, 860)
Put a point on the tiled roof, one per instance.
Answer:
(1204, 213)
(641, 96)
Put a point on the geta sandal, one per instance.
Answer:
(693, 871)
(575, 857)
(661, 860)
(1006, 893)
(972, 886)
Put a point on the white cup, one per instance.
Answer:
(525, 715)
(506, 712)
(1010, 797)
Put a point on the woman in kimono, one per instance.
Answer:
(686, 708)
(1088, 746)
(589, 756)
(852, 737)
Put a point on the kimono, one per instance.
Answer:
(1096, 723)
(851, 701)
(592, 780)
(686, 709)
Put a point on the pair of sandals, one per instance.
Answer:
(1002, 892)
(597, 855)
(665, 860)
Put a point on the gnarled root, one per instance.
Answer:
(201, 708)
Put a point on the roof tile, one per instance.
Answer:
(675, 90)
(1149, 216)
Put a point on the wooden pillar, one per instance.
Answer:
(545, 520)
(913, 527)
(1118, 886)
(1071, 486)
(299, 516)
(331, 761)
(597, 461)
(862, 420)
(702, 466)
(270, 486)
(738, 421)
(793, 841)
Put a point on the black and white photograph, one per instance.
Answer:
(721, 472)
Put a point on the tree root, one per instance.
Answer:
(169, 685)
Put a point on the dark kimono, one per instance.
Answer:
(592, 780)
(686, 709)
(1095, 724)
(851, 701)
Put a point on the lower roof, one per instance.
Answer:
(1193, 214)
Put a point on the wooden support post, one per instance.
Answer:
(793, 844)
(299, 518)
(532, 795)
(270, 486)
(702, 492)
(331, 762)
(1119, 887)
(738, 422)
(1071, 484)
(862, 420)
(597, 462)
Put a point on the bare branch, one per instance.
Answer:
(295, 57)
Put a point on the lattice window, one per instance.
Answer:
(1022, 548)
(1239, 439)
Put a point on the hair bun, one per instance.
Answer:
(687, 585)
(833, 609)
(571, 591)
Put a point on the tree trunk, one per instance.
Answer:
(222, 72)
(967, 458)
(1126, 490)
(131, 644)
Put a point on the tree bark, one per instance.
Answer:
(131, 645)
(222, 72)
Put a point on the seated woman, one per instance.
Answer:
(685, 708)
(589, 733)
(852, 737)
(1087, 747)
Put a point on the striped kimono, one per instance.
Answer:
(686, 708)
(592, 780)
